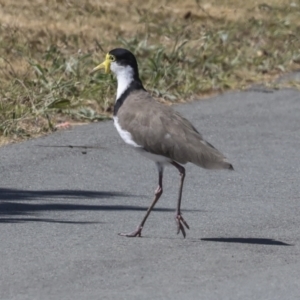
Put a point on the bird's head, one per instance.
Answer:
(119, 61)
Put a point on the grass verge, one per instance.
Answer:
(185, 49)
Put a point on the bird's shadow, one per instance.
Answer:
(255, 241)
(234, 240)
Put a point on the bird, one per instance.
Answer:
(156, 131)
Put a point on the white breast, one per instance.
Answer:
(127, 138)
(125, 135)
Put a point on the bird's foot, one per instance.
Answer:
(136, 233)
(180, 222)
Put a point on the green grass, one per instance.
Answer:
(44, 78)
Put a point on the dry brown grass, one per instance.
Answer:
(184, 48)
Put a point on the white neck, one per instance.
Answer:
(124, 77)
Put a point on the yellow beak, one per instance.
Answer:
(105, 65)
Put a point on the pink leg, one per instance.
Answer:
(158, 193)
(178, 217)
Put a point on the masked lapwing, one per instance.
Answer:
(156, 131)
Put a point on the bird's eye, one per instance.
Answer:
(112, 58)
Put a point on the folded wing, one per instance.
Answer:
(163, 131)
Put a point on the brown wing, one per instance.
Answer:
(163, 131)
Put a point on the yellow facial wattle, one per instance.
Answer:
(105, 65)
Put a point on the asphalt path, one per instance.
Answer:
(61, 209)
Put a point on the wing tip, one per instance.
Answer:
(228, 165)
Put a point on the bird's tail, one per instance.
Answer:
(208, 157)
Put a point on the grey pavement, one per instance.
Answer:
(61, 209)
